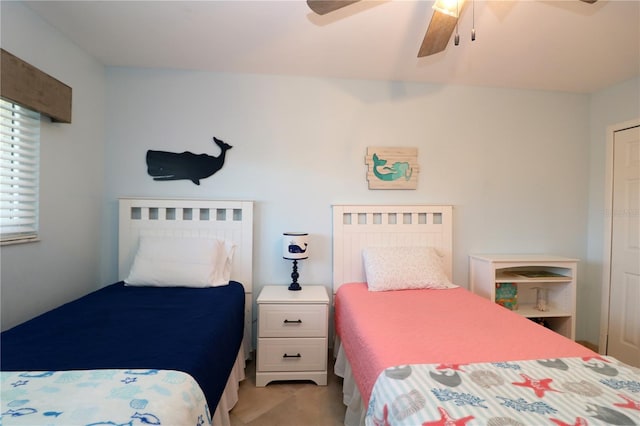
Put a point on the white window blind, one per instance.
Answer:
(19, 172)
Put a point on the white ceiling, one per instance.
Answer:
(564, 45)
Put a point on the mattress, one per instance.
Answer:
(197, 331)
(379, 330)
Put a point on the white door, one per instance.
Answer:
(624, 298)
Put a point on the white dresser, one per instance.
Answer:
(292, 334)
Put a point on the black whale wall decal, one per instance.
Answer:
(163, 165)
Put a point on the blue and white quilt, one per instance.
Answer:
(102, 397)
(567, 391)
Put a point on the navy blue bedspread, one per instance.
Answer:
(194, 330)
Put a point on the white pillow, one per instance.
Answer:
(400, 268)
(181, 262)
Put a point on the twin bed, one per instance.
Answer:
(414, 349)
(165, 348)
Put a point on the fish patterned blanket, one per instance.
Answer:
(102, 397)
(565, 391)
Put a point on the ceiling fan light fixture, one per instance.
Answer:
(448, 7)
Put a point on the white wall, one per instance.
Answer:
(65, 263)
(524, 169)
(513, 163)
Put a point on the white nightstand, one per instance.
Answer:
(292, 334)
(529, 272)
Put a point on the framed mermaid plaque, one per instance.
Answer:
(392, 168)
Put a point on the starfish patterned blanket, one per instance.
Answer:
(595, 390)
(102, 397)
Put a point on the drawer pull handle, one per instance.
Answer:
(298, 321)
(292, 356)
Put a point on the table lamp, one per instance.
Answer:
(294, 247)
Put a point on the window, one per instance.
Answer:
(19, 172)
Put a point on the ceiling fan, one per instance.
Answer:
(443, 21)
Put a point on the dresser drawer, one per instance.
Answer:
(309, 354)
(281, 320)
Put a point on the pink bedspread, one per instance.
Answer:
(452, 326)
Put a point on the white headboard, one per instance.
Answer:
(229, 220)
(358, 226)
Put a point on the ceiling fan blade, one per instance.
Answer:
(438, 34)
(322, 7)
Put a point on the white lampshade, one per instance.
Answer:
(295, 245)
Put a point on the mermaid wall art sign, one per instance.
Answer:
(392, 168)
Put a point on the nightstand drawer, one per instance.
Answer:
(292, 320)
(292, 354)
